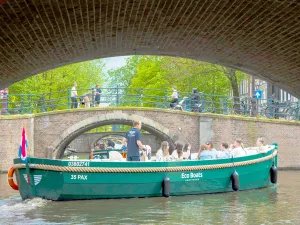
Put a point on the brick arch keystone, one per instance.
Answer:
(79, 128)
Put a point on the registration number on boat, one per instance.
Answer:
(78, 164)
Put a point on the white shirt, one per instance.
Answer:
(73, 92)
(175, 94)
(159, 154)
(224, 154)
(174, 155)
(238, 152)
(160, 157)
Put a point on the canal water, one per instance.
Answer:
(280, 205)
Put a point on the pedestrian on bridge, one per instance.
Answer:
(74, 96)
(175, 97)
(98, 93)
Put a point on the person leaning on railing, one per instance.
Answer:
(98, 94)
(195, 100)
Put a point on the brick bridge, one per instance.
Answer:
(49, 133)
(261, 38)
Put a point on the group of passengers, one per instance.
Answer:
(207, 151)
(181, 152)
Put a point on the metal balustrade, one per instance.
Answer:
(29, 103)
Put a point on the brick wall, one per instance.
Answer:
(285, 133)
(10, 138)
(44, 129)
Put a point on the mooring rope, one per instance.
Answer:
(143, 169)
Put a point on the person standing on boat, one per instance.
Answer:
(134, 144)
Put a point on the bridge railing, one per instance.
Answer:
(155, 98)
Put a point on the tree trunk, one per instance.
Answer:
(231, 75)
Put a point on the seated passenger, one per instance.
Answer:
(238, 149)
(177, 154)
(92, 152)
(187, 151)
(224, 152)
(207, 151)
(110, 144)
(102, 146)
(124, 144)
(162, 155)
(261, 148)
(145, 155)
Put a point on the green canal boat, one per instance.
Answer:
(87, 179)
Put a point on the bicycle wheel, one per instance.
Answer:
(291, 114)
(209, 106)
(269, 113)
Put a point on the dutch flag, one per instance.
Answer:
(23, 146)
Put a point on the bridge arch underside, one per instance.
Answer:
(63, 143)
(258, 37)
(109, 135)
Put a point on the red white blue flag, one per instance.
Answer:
(23, 146)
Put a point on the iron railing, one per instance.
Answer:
(155, 98)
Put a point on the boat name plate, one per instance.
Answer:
(189, 176)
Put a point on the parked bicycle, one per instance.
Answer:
(276, 109)
(293, 113)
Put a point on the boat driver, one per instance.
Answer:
(134, 144)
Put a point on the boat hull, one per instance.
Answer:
(74, 180)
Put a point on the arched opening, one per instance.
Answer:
(106, 137)
(76, 130)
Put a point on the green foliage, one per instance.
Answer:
(86, 74)
(55, 83)
(161, 73)
(152, 78)
(123, 75)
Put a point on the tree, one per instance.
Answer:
(50, 89)
(123, 75)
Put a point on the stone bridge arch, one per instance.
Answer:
(258, 37)
(79, 128)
